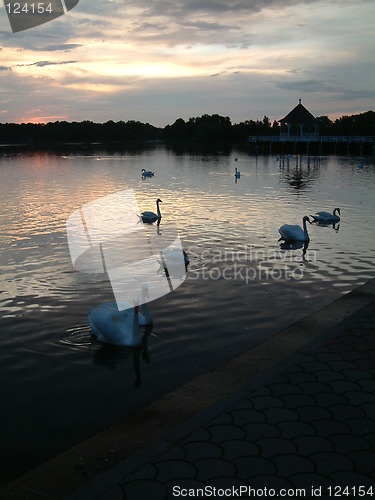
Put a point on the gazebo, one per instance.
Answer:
(301, 125)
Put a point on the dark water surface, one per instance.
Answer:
(58, 384)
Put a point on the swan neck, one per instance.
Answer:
(135, 328)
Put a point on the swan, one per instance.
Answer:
(150, 217)
(237, 173)
(172, 259)
(290, 232)
(326, 216)
(103, 313)
(115, 327)
(112, 326)
(186, 259)
(147, 173)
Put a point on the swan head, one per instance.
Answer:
(159, 200)
(337, 210)
(143, 170)
(306, 219)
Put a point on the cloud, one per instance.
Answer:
(65, 47)
(174, 8)
(155, 61)
(336, 89)
(41, 64)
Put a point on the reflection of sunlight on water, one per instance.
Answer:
(199, 194)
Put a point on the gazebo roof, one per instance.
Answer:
(298, 115)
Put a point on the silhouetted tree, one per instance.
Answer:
(206, 129)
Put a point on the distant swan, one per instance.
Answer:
(115, 327)
(147, 173)
(327, 217)
(150, 217)
(237, 173)
(171, 261)
(290, 232)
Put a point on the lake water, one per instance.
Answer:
(59, 385)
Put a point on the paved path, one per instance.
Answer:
(309, 432)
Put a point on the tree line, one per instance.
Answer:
(207, 129)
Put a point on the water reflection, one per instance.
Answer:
(295, 245)
(110, 356)
(334, 225)
(304, 172)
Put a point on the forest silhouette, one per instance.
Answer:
(206, 129)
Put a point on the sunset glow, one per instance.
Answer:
(247, 62)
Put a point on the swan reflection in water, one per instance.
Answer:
(295, 245)
(110, 356)
(334, 225)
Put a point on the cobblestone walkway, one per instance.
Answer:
(313, 426)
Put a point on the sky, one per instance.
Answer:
(156, 61)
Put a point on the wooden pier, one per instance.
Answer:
(313, 144)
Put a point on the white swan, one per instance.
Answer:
(327, 217)
(150, 217)
(115, 327)
(101, 316)
(170, 264)
(147, 173)
(290, 232)
(112, 326)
